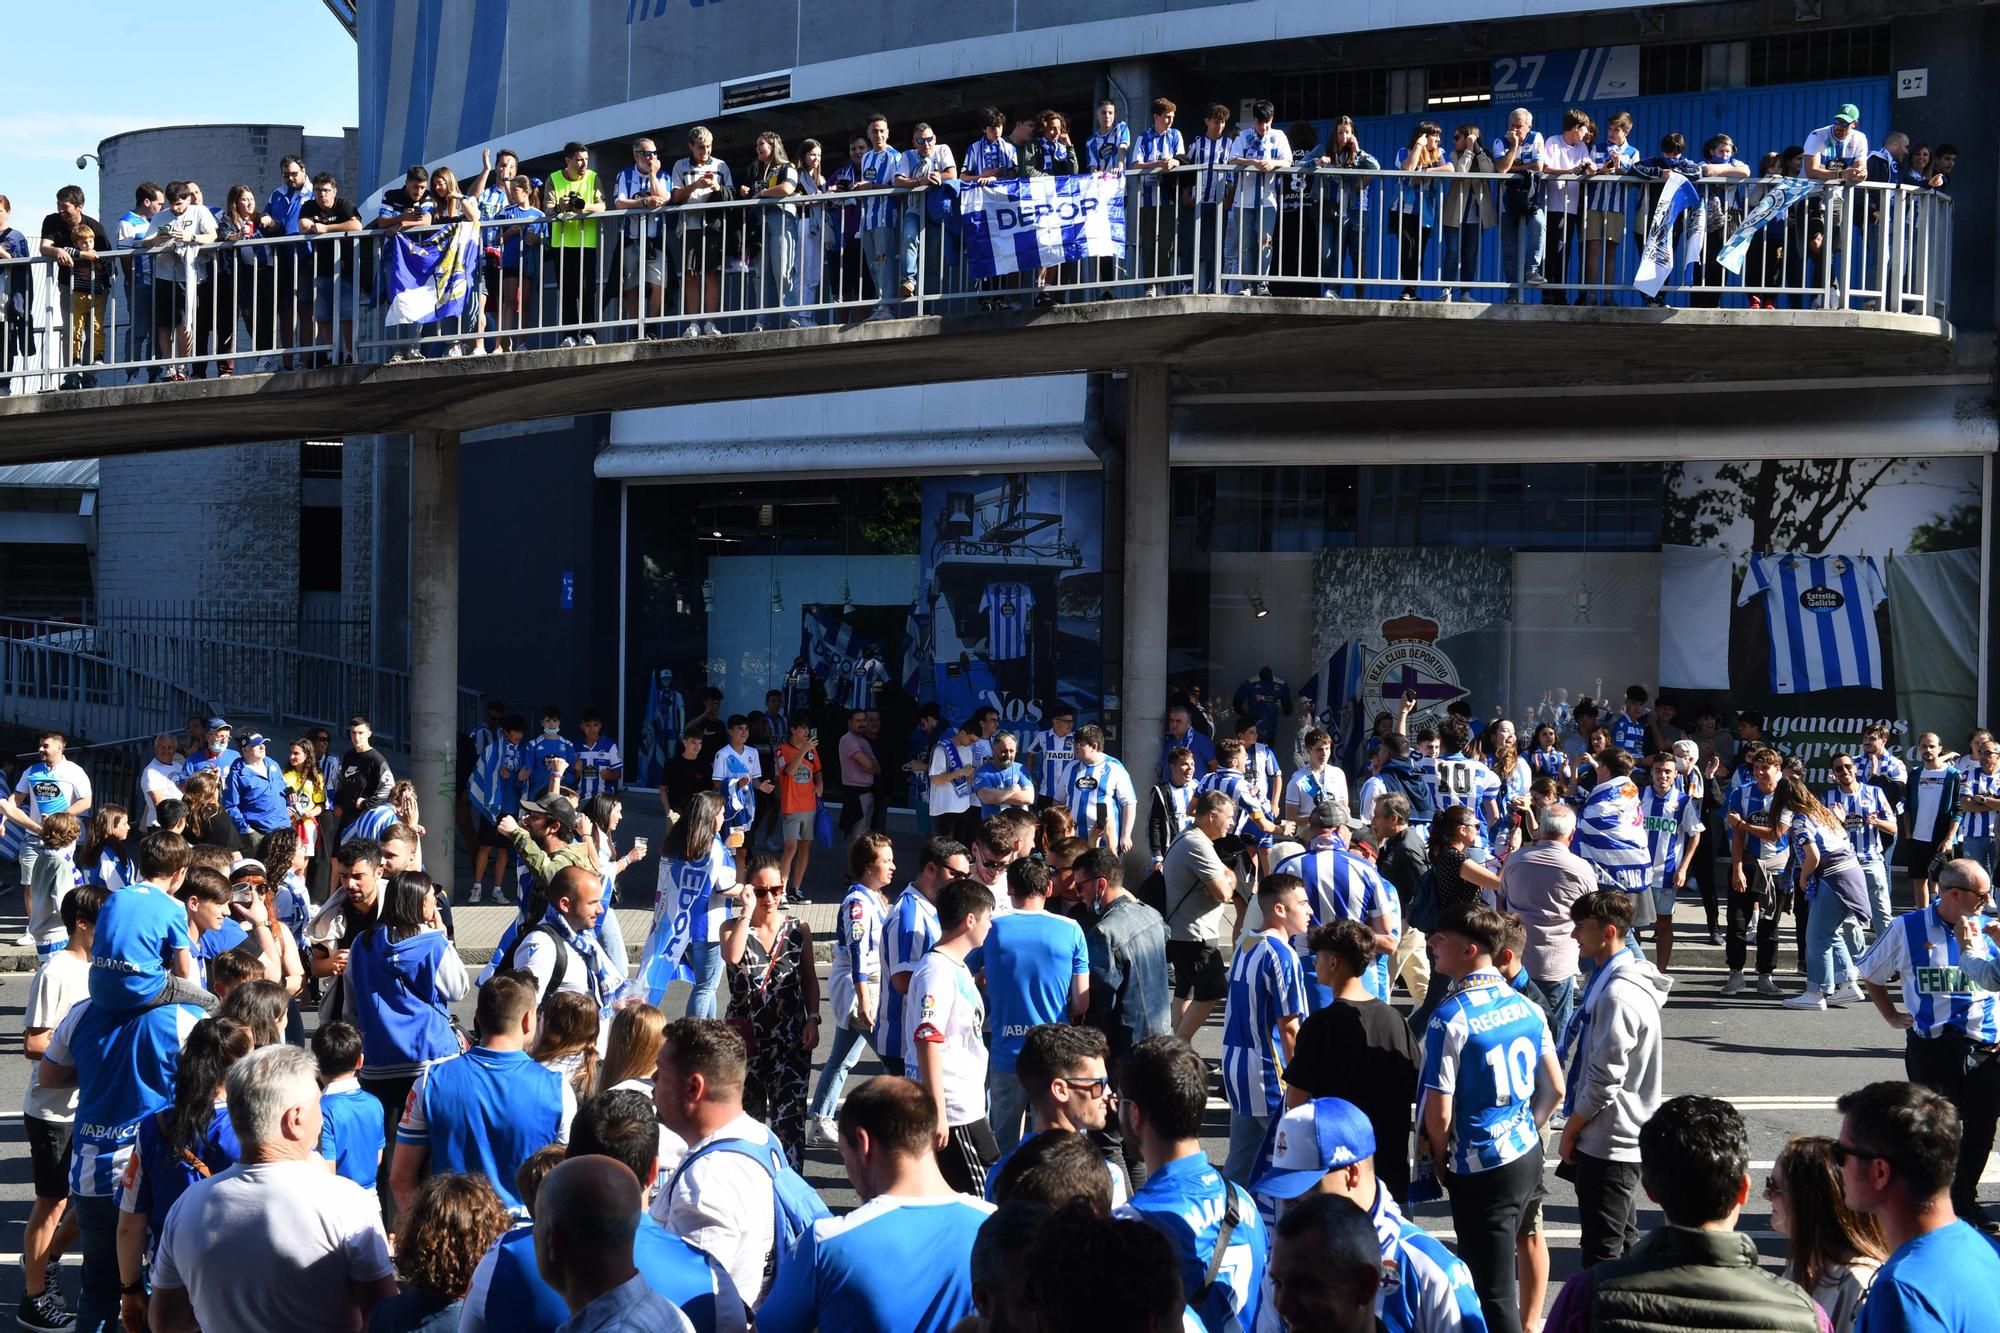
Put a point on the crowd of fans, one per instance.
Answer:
(579, 1160)
(198, 287)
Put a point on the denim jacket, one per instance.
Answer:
(1128, 974)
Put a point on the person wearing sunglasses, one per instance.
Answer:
(1835, 1251)
(1063, 1072)
(1899, 1148)
(1950, 1019)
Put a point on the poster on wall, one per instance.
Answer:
(1431, 621)
(1839, 592)
(1009, 606)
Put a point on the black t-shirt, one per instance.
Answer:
(1453, 890)
(714, 735)
(325, 249)
(59, 233)
(1362, 1051)
(684, 778)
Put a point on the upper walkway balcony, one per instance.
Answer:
(1328, 278)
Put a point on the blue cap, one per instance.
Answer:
(1311, 1140)
(217, 724)
(254, 738)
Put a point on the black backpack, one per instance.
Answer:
(556, 974)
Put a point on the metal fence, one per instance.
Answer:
(700, 269)
(62, 664)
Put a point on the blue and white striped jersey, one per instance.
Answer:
(1611, 835)
(1103, 788)
(1834, 851)
(1821, 614)
(869, 675)
(1425, 1287)
(857, 949)
(1923, 949)
(593, 760)
(798, 692)
(738, 771)
(1238, 787)
(1185, 1201)
(1484, 1046)
(1260, 761)
(1260, 189)
(1880, 768)
(1463, 780)
(879, 166)
(1212, 155)
(1855, 808)
(1008, 629)
(1058, 753)
(1550, 763)
(1341, 885)
(1106, 150)
(908, 930)
(1980, 823)
(1669, 821)
(125, 1063)
(1266, 986)
(370, 823)
(1151, 147)
(1629, 734)
(1753, 806)
(493, 795)
(984, 155)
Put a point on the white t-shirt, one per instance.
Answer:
(1559, 152)
(944, 1007)
(1309, 787)
(949, 798)
(159, 782)
(59, 982)
(272, 1245)
(739, 773)
(723, 1204)
(1371, 791)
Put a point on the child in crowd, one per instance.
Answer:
(353, 1138)
(53, 877)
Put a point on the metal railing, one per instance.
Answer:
(54, 681)
(698, 269)
(275, 685)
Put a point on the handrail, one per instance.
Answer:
(690, 269)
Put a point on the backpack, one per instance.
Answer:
(1152, 891)
(1421, 912)
(556, 974)
(796, 1204)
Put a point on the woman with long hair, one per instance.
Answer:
(600, 814)
(631, 1054)
(774, 1003)
(1835, 1252)
(566, 1040)
(1546, 755)
(205, 821)
(1456, 880)
(1342, 220)
(189, 1141)
(307, 786)
(244, 285)
(260, 1006)
(1830, 877)
(1051, 827)
(697, 893)
(1415, 202)
(402, 978)
(103, 859)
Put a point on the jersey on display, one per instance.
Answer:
(1821, 613)
(1007, 631)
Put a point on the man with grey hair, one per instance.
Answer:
(586, 1214)
(1950, 1010)
(274, 1242)
(1403, 858)
(1538, 884)
(1524, 209)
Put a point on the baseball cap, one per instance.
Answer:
(247, 868)
(1847, 113)
(1311, 1140)
(1333, 813)
(555, 807)
(218, 724)
(254, 738)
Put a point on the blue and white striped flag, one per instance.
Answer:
(1338, 707)
(831, 647)
(1014, 226)
(1779, 195)
(430, 276)
(1656, 256)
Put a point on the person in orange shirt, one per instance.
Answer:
(799, 789)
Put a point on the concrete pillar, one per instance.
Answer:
(434, 643)
(1147, 520)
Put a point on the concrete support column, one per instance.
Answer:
(1147, 521)
(434, 643)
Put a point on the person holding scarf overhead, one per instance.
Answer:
(698, 891)
(1611, 1051)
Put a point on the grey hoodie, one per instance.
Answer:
(1619, 1077)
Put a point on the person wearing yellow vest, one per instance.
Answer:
(570, 196)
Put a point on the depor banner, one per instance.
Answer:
(1016, 226)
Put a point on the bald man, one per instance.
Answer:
(585, 1217)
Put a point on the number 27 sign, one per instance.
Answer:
(1588, 74)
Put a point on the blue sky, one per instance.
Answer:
(280, 62)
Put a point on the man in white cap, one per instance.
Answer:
(1327, 1146)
